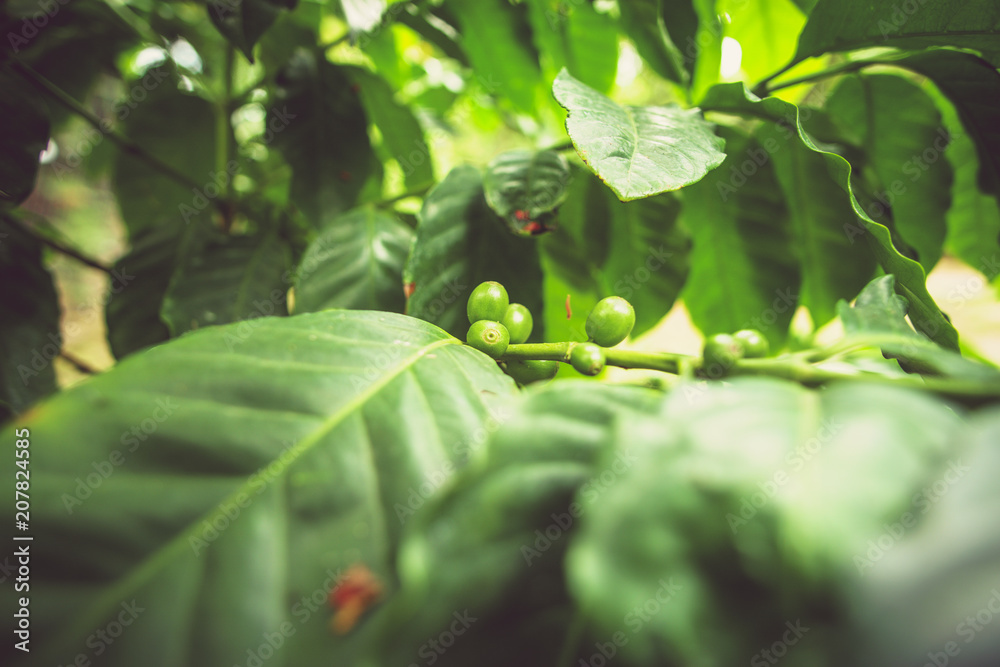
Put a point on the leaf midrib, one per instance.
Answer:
(147, 570)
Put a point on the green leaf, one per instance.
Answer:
(969, 83)
(489, 32)
(974, 218)
(30, 338)
(895, 123)
(637, 151)
(743, 272)
(139, 283)
(434, 29)
(643, 21)
(743, 509)
(648, 259)
(703, 49)
(524, 186)
(493, 545)
(881, 312)
(24, 133)
(356, 263)
(940, 570)
(243, 22)
(833, 267)
(320, 127)
(461, 243)
(402, 136)
(767, 31)
(845, 25)
(239, 474)
(223, 279)
(577, 37)
(179, 129)
(910, 276)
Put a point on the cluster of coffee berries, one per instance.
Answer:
(722, 351)
(496, 323)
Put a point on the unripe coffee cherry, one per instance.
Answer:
(489, 337)
(488, 301)
(519, 323)
(587, 358)
(611, 321)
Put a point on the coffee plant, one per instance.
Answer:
(384, 260)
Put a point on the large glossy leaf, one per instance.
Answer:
(637, 151)
(910, 276)
(320, 127)
(577, 37)
(223, 279)
(493, 545)
(644, 23)
(743, 510)
(357, 262)
(24, 134)
(139, 282)
(524, 186)
(179, 129)
(648, 258)
(833, 266)
(30, 338)
(243, 22)
(220, 484)
(402, 136)
(845, 25)
(461, 243)
(489, 32)
(743, 272)
(969, 83)
(899, 128)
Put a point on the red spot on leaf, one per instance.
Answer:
(569, 311)
(353, 595)
(356, 88)
(521, 215)
(409, 289)
(344, 176)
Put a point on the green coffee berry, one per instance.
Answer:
(611, 321)
(519, 323)
(587, 358)
(489, 337)
(720, 354)
(526, 371)
(754, 344)
(488, 301)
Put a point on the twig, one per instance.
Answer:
(55, 245)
